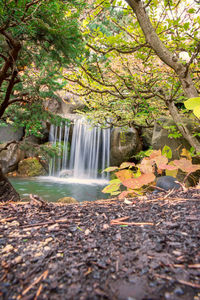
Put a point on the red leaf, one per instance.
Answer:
(146, 165)
(136, 183)
(186, 165)
(168, 167)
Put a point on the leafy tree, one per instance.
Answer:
(134, 63)
(37, 37)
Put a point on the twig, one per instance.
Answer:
(8, 219)
(119, 219)
(41, 285)
(132, 223)
(45, 223)
(42, 276)
(168, 194)
(192, 284)
(37, 199)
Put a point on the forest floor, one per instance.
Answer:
(140, 248)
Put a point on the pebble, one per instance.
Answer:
(179, 291)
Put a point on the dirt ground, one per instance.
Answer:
(140, 248)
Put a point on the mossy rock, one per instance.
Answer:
(31, 167)
(67, 200)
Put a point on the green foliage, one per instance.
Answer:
(49, 36)
(136, 178)
(121, 79)
(194, 105)
(173, 132)
(166, 151)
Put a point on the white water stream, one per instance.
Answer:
(89, 151)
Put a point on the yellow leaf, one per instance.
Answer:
(186, 153)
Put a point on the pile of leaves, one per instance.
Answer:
(132, 179)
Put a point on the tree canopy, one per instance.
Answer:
(36, 39)
(142, 59)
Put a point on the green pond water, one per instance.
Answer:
(53, 188)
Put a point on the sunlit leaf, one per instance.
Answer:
(168, 167)
(160, 160)
(192, 103)
(186, 153)
(116, 181)
(115, 193)
(155, 153)
(110, 169)
(136, 183)
(137, 174)
(171, 172)
(149, 152)
(196, 111)
(125, 165)
(111, 188)
(186, 165)
(124, 174)
(166, 151)
(146, 165)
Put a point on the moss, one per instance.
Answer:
(67, 200)
(30, 167)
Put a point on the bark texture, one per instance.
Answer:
(7, 191)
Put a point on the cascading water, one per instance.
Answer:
(89, 151)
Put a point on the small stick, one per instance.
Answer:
(41, 285)
(8, 219)
(168, 194)
(131, 223)
(38, 291)
(42, 276)
(120, 219)
(195, 285)
(45, 223)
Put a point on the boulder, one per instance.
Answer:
(146, 136)
(30, 167)
(9, 133)
(66, 173)
(160, 137)
(10, 157)
(67, 200)
(125, 143)
(53, 105)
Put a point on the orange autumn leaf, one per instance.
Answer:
(124, 174)
(136, 183)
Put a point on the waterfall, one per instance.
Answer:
(89, 150)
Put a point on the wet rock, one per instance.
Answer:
(10, 157)
(161, 136)
(167, 183)
(124, 144)
(67, 200)
(9, 133)
(31, 167)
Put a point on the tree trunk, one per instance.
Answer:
(7, 191)
(182, 128)
(168, 58)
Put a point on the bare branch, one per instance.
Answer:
(128, 51)
(194, 55)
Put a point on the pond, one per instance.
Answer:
(52, 188)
